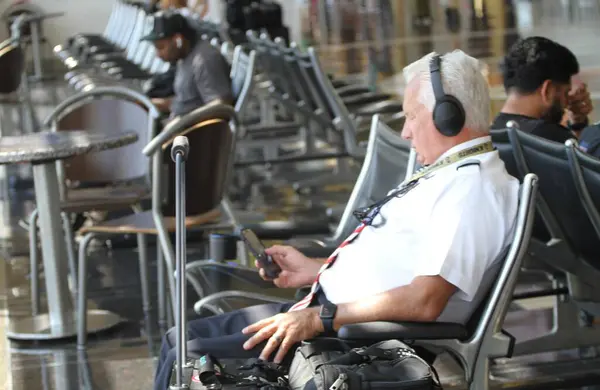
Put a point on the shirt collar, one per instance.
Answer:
(465, 145)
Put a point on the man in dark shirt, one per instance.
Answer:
(201, 75)
(542, 93)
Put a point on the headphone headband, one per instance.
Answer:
(448, 112)
(435, 70)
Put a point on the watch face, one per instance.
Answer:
(328, 311)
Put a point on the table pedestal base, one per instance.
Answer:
(38, 327)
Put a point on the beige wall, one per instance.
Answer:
(80, 16)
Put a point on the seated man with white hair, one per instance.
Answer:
(427, 252)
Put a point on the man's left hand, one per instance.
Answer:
(283, 331)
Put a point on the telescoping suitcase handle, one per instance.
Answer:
(179, 154)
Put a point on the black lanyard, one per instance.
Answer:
(367, 214)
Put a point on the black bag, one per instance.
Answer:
(589, 140)
(326, 364)
(207, 373)
(272, 14)
(234, 13)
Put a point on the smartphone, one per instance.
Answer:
(257, 248)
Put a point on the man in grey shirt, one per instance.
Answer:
(201, 75)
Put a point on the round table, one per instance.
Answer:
(42, 150)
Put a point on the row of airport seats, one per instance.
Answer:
(327, 110)
(118, 55)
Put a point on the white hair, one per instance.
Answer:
(462, 77)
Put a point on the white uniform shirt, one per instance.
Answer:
(454, 224)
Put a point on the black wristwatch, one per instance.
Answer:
(327, 315)
(578, 126)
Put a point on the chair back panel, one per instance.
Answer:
(312, 82)
(383, 169)
(206, 167)
(549, 161)
(242, 76)
(502, 143)
(488, 318)
(590, 179)
(304, 94)
(12, 62)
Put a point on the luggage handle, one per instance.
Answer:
(179, 154)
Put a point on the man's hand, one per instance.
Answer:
(283, 331)
(163, 105)
(580, 104)
(297, 270)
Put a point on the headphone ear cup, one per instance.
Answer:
(449, 116)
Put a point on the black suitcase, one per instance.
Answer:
(234, 13)
(253, 17)
(272, 14)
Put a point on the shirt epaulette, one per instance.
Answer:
(468, 163)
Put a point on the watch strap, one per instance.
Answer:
(327, 315)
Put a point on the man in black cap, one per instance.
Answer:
(202, 74)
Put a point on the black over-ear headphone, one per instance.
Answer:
(448, 112)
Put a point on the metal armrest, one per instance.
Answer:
(349, 90)
(364, 98)
(107, 56)
(383, 107)
(109, 64)
(100, 49)
(209, 111)
(383, 330)
(283, 230)
(208, 302)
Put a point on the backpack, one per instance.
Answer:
(589, 140)
(326, 364)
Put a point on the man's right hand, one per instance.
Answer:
(297, 270)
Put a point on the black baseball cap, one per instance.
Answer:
(166, 24)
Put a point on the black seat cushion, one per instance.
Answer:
(382, 330)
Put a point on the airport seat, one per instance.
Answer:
(483, 338)
(117, 195)
(387, 163)
(211, 134)
(116, 33)
(12, 62)
(567, 254)
(210, 185)
(297, 80)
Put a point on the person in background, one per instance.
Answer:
(199, 7)
(201, 74)
(544, 95)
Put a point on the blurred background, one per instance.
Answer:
(373, 39)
